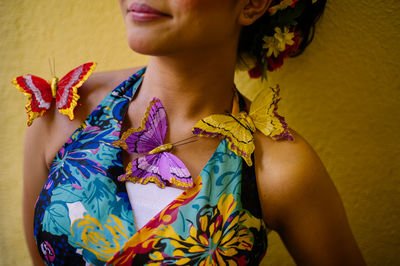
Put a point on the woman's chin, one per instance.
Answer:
(147, 45)
(145, 48)
(154, 47)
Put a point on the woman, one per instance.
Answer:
(83, 214)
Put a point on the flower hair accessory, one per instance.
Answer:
(279, 37)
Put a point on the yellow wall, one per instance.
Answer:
(343, 95)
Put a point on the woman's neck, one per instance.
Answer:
(193, 85)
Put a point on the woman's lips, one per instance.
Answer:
(143, 12)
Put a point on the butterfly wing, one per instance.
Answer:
(67, 88)
(144, 169)
(174, 171)
(235, 130)
(38, 92)
(160, 168)
(150, 134)
(263, 112)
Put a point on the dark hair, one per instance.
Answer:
(304, 17)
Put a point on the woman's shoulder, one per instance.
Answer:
(301, 203)
(284, 152)
(288, 173)
(98, 85)
(107, 79)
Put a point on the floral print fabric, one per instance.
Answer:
(83, 215)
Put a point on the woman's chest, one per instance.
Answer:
(84, 209)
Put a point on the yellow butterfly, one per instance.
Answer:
(238, 127)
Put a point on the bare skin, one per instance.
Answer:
(298, 198)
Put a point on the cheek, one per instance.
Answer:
(204, 11)
(212, 20)
(190, 4)
(201, 5)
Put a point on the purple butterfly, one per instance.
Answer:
(155, 164)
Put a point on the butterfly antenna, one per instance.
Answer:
(51, 69)
(54, 66)
(185, 141)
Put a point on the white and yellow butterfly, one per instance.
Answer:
(238, 127)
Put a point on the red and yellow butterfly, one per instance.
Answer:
(41, 93)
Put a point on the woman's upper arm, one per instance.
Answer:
(35, 173)
(301, 203)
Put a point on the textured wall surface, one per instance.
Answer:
(342, 95)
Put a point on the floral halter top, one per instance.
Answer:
(83, 215)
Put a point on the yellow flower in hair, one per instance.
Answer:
(277, 43)
(283, 38)
(271, 44)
